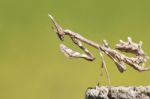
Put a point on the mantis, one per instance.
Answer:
(121, 60)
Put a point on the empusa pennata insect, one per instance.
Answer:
(137, 62)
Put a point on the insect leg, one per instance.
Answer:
(87, 55)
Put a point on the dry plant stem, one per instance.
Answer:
(120, 60)
(120, 92)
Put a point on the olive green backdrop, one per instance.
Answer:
(31, 64)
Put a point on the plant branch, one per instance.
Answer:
(104, 92)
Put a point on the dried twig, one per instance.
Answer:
(119, 92)
(120, 59)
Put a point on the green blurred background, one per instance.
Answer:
(31, 64)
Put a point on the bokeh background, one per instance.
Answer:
(31, 64)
